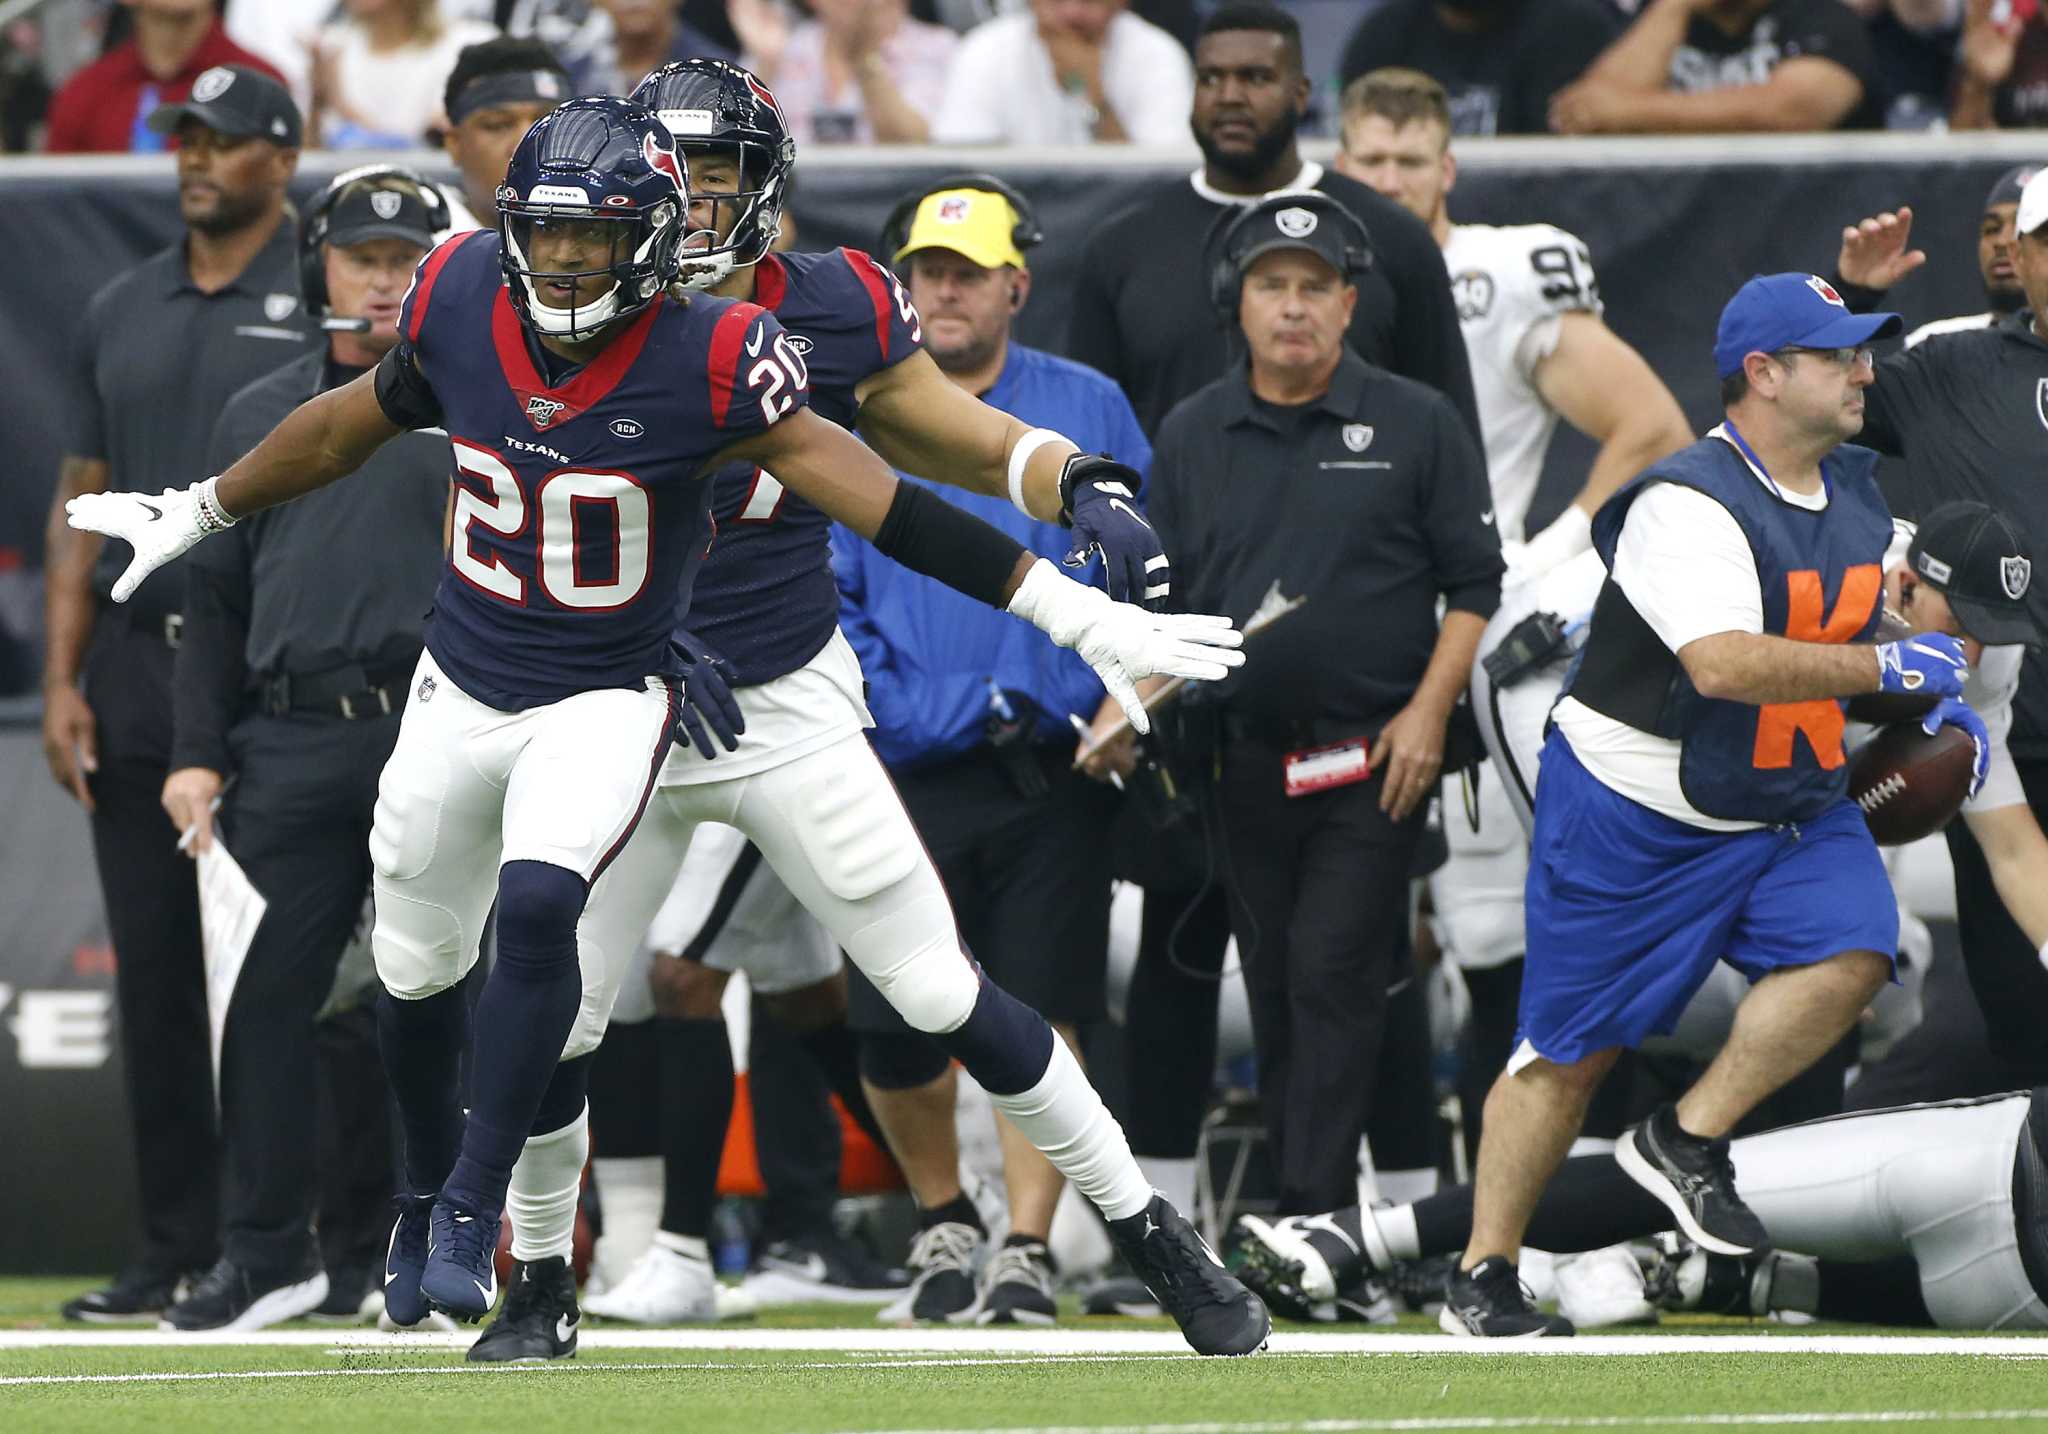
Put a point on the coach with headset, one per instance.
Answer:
(1308, 474)
(302, 627)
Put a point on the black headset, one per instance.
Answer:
(320, 214)
(1024, 234)
(1234, 233)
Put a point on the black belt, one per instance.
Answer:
(352, 693)
(166, 627)
(1291, 732)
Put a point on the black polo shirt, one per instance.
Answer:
(1370, 502)
(1969, 414)
(157, 360)
(342, 577)
(1141, 310)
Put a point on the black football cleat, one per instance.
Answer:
(1695, 1180)
(231, 1298)
(405, 1260)
(1489, 1301)
(1216, 1314)
(1299, 1264)
(540, 1318)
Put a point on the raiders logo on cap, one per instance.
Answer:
(385, 203)
(2014, 574)
(212, 84)
(1296, 223)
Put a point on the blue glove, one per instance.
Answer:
(706, 706)
(1954, 712)
(1930, 665)
(1096, 496)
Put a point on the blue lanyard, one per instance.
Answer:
(1742, 446)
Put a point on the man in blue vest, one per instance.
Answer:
(1692, 805)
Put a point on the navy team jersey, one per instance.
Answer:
(581, 506)
(765, 598)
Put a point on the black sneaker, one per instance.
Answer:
(943, 1261)
(1299, 1264)
(1419, 1284)
(822, 1265)
(1216, 1314)
(230, 1298)
(135, 1297)
(1124, 1295)
(1489, 1300)
(540, 1318)
(1696, 1181)
(1016, 1285)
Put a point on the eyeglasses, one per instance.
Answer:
(1857, 357)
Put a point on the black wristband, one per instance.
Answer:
(928, 535)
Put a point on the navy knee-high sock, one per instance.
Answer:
(528, 1007)
(422, 1042)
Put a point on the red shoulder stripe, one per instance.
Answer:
(870, 275)
(771, 282)
(723, 367)
(430, 270)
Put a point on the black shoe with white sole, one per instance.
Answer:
(1216, 1314)
(1695, 1180)
(1016, 1285)
(1490, 1301)
(233, 1298)
(136, 1297)
(540, 1317)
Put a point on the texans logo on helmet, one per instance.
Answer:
(765, 95)
(663, 161)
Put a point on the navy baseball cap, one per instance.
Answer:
(1777, 311)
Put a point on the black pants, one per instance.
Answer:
(2005, 969)
(152, 898)
(357, 1177)
(1170, 1020)
(796, 1131)
(1028, 878)
(1319, 905)
(298, 820)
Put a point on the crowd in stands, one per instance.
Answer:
(79, 75)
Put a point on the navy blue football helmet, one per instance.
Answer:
(715, 107)
(603, 171)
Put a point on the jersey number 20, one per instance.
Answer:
(564, 500)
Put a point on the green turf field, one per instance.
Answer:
(821, 1370)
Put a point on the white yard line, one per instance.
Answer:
(1762, 1419)
(1055, 1343)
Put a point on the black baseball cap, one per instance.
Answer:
(381, 211)
(238, 101)
(1297, 221)
(1972, 556)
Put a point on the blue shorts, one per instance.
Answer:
(1628, 910)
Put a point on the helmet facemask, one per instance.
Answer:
(742, 226)
(637, 249)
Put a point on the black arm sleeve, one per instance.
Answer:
(403, 392)
(928, 535)
(206, 681)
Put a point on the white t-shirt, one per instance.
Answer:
(1002, 89)
(1513, 285)
(1685, 565)
(382, 96)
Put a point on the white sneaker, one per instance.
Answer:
(1601, 1288)
(668, 1287)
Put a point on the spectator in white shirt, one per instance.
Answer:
(378, 74)
(860, 72)
(1069, 72)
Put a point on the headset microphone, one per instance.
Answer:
(332, 325)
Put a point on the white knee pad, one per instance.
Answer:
(913, 956)
(852, 827)
(420, 949)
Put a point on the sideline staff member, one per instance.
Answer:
(161, 350)
(303, 625)
(1314, 474)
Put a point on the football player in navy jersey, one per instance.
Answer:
(804, 784)
(588, 409)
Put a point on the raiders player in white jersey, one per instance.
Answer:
(1529, 307)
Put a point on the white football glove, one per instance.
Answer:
(1122, 641)
(159, 528)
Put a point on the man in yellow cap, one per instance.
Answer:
(975, 721)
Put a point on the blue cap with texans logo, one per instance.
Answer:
(1781, 311)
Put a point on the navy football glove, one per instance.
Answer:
(1930, 665)
(1954, 712)
(1097, 499)
(706, 706)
